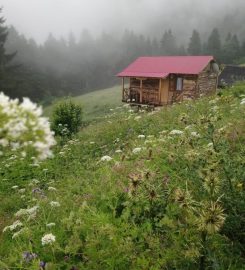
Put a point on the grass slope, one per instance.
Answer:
(96, 104)
(171, 198)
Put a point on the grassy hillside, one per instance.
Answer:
(98, 103)
(159, 190)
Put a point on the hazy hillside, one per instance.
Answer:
(159, 190)
(96, 104)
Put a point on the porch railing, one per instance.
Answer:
(141, 96)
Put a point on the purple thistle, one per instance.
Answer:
(42, 264)
(28, 256)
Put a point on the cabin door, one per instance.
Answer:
(172, 88)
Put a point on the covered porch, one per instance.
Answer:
(146, 91)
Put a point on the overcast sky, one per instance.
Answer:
(37, 18)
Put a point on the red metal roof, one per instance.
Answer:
(162, 66)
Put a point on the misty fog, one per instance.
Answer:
(37, 18)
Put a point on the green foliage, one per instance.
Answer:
(66, 118)
(214, 44)
(175, 203)
(96, 104)
(195, 45)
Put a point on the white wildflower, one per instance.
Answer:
(195, 134)
(49, 225)
(48, 239)
(163, 132)
(27, 212)
(52, 189)
(136, 150)
(118, 151)
(21, 121)
(16, 234)
(210, 145)
(176, 132)
(33, 210)
(12, 227)
(188, 127)
(14, 187)
(137, 117)
(243, 101)
(148, 141)
(22, 190)
(106, 158)
(21, 212)
(35, 181)
(141, 136)
(54, 204)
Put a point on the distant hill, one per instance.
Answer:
(97, 103)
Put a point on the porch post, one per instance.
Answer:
(122, 88)
(159, 91)
(141, 86)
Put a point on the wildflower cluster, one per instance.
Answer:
(23, 129)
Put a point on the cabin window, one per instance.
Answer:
(179, 85)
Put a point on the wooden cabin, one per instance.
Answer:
(164, 80)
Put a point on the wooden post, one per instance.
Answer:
(159, 91)
(123, 88)
(141, 87)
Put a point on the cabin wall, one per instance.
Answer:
(189, 88)
(207, 81)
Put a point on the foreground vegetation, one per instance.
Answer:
(158, 190)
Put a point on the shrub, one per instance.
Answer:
(66, 118)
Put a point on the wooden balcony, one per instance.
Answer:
(147, 96)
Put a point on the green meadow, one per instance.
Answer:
(148, 190)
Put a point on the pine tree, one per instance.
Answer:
(168, 43)
(214, 44)
(195, 46)
(231, 49)
(7, 83)
(235, 45)
(4, 57)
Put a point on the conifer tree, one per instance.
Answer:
(4, 57)
(195, 46)
(168, 43)
(6, 70)
(214, 44)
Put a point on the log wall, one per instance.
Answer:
(207, 81)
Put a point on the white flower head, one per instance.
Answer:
(176, 132)
(136, 150)
(195, 134)
(141, 136)
(54, 204)
(48, 239)
(242, 101)
(12, 227)
(52, 189)
(106, 158)
(49, 225)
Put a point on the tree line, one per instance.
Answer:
(61, 67)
